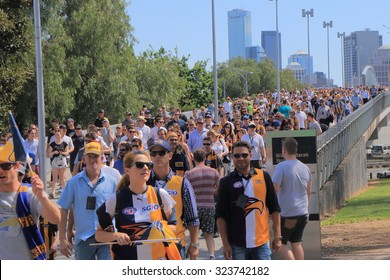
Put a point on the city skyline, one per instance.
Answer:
(186, 25)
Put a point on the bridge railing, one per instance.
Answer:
(334, 144)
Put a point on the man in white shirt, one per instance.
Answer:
(301, 117)
(146, 134)
(257, 146)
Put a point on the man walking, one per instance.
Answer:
(246, 201)
(292, 182)
(181, 191)
(84, 193)
(204, 181)
(257, 146)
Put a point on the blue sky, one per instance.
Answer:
(186, 25)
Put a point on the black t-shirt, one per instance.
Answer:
(58, 147)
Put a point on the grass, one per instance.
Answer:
(372, 204)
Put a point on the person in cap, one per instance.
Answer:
(20, 208)
(78, 143)
(149, 121)
(145, 130)
(99, 119)
(256, 143)
(127, 119)
(83, 194)
(181, 191)
(108, 137)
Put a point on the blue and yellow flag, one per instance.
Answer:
(14, 149)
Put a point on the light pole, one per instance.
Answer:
(238, 71)
(308, 14)
(214, 66)
(342, 36)
(277, 53)
(328, 25)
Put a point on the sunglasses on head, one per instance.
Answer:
(141, 165)
(6, 166)
(160, 153)
(244, 155)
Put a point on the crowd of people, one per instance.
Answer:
(173, 173)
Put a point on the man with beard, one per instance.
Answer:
(246, 201)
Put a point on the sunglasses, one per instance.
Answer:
(135, 146)
(160, 153)
(131, 131)
(141, 165)
(241, 155)
(6, 166)
(199, 122)
(191, 124)
(206, 144)
(123, 150)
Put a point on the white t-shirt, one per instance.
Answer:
(256, 143)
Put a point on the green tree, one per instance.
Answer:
(158, 78)
(199, 86)
(16, 50)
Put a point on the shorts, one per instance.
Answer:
(293, 227)
(206, 220)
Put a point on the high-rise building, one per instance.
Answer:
(256, 53)
(268, 42)
(303, 59)
(381, 64)
(239, 32)
(298, 70)
(359, 48)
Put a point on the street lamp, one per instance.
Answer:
(239, 72)
(328, 25)
(277, 53)
(214, 66)
(308, 14)
(342, 36)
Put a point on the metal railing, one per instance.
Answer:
(334, 144)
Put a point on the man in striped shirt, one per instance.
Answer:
(204, 181)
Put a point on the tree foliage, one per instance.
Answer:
(16, 49)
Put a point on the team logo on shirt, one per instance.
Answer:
(150, 207)
(253, 204)
(129, 211)
(171, 192)
(238, 185)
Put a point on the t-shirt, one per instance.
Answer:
(293, 177)
(13, 244)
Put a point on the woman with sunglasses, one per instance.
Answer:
(135, 208)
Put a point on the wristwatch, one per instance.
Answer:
(196, 245)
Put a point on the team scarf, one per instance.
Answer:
(30, 230)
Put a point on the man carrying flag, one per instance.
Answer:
(20, 206)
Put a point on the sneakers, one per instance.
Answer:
(211, 258)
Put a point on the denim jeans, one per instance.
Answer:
(83, 251)
(262, 252)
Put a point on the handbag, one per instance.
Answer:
(226, 159)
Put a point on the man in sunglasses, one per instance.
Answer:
(20, 208)
(83, 194)
(246, 201)
(181, 191)
(257, 146)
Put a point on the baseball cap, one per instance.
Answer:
(62, 126)
(141, 118)
(147, 112)
(93, 148)
(159, 143)
(106, 120)
(101, 111)
(79, 126)
(245, 117)
(252, 124)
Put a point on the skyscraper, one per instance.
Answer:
(240, 33)
(381, 64)
(303, 59)
(359, 48)
(268, 42)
